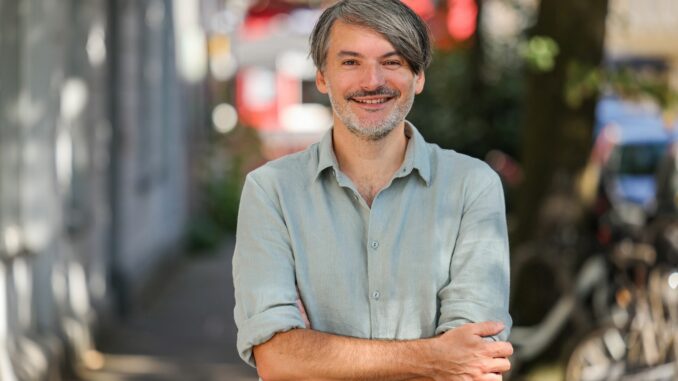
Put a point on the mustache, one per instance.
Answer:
(382, 90)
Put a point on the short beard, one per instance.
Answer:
(377, 130)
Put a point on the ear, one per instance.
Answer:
(419, 82)
(320, 82)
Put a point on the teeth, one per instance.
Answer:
(372, 101)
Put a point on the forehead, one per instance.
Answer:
(358, 39)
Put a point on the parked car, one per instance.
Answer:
(631, 140)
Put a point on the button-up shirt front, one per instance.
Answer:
(429, 255)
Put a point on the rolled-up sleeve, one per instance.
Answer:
(263, 271)
(479, 270)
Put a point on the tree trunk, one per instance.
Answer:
(557, 137)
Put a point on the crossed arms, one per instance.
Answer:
(272, 330)
(458, 354)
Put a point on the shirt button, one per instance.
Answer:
(375, 244)
(376, 295)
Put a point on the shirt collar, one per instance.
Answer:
(416, 155)
(326, 158)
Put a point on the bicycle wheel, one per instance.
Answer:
(598, 357)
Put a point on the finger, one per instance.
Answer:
(490, 377)
(499, 365)
(498, 349)
(487, 328)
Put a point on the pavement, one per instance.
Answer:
(184, 331)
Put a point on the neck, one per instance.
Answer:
(367, 162)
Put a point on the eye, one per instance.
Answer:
(393, 63)
(349, 62)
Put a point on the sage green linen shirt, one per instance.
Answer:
(429, 255)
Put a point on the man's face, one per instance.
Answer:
(371, 86)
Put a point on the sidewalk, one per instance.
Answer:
(186, 332)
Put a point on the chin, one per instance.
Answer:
(373, 133)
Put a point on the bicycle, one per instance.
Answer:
(639, 339)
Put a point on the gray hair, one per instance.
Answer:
(403, 28)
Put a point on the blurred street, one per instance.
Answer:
(127, 129)
(183, 331)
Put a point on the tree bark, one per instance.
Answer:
(557, 137)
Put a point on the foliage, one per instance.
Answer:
(584, 82)
(472, 115)
(221, 179)
(540, 52)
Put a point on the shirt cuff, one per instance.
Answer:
(261, 327)
(469, 312)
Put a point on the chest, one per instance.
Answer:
(402, 243)
(369, 187)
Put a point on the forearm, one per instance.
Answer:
(304, 354)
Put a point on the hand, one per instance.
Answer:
(463, 354)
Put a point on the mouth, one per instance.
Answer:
(372, 101)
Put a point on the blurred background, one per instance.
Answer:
(127, 126)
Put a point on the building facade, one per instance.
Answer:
(96, 128)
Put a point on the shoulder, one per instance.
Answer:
(468, 181)
(289, 171)
(450, 165)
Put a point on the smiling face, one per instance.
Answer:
(371, 86)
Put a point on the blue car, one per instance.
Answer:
(631, 140)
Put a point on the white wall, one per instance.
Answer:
(94, 126)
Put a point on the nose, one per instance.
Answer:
(373, 77)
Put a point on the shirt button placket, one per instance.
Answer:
(375, 268)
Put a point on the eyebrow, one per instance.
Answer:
(349, 53)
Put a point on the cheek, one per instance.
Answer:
(345, 82)
(406, 82)
(338, 92)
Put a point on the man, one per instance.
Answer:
(396, 248)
